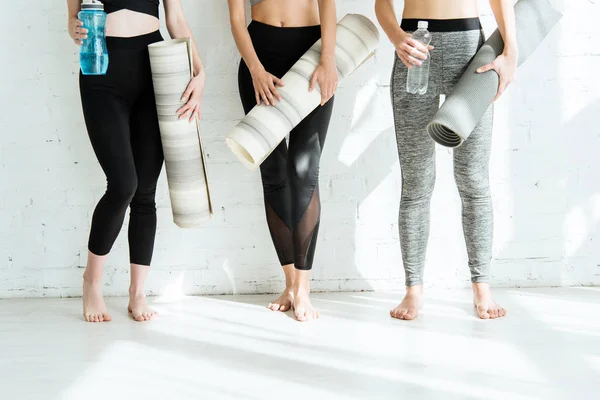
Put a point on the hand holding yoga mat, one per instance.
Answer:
(171, 63)
(474, 93)
(261, 131)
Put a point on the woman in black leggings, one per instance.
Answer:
(280, 33)
(122, 123)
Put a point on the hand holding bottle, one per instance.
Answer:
(411, 51)
(77, 31)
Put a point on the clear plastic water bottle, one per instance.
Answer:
(93, 55)
(418, 76)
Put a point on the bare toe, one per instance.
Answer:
(482, 312)
(300, 315)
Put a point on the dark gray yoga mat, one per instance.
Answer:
(474, 93)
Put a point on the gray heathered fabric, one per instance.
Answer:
(452, 54)
(453, 123)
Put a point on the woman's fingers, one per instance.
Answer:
(278, 81)
(264, 97)
(273, 90)
(183, 112)
(486, 68)
(182, 109)
(257, 95)
(188, 92)
(412, 52)
(267, 91)
(313, 82)
(418, 46)
(414, 61)
(193, 113)
(403, 58)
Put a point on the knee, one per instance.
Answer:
(144, 201)
(273, 178)
(305, 167)
(122, 190)
(473, 184)
(418, 187)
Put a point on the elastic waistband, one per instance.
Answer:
(443, 25)
(283, 39)
(134, 42)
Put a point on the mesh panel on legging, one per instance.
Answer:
(306, 233)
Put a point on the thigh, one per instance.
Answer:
(412, 113)
(472, 158)
(459, 49)
(309, 135)
(107, 118)
(246, 88)
(145, 142)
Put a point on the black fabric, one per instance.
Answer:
(149, 7)
(290, 175)
(443, 25)
(122, 123)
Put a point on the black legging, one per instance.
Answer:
(290, 176)
(120, 115)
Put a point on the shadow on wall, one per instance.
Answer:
(553, 193)
(248, 263)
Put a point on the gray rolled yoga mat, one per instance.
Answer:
(474, 93)
(261, 131)
(171, 65)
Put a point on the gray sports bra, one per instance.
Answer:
(255, 2)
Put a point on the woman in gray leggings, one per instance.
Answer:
(456, 37)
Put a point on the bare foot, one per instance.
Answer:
(138, 307)
(94, 309)
(411, 304)
(284, 302)
(303, 308)
(484, 303)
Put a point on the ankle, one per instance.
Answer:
(479, 287)
(301, 289)
(91, 279)
(416, 290)
(135, 292)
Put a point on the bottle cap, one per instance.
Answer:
(91, 5)
(423, 25)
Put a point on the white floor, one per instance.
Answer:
(231, 347)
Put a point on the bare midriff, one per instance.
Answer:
(440, 9)
(287, 13)
(127, 23)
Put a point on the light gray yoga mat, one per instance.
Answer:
(171, 65)
(261, 131)
(474, 93)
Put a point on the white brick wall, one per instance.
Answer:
(545, 169)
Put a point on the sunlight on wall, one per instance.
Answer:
(358, 138)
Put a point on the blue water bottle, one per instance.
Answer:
(93, 55)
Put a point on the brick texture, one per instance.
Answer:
(544, 175)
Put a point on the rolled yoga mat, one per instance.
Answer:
(171, 65)
(261, 131)
(474, 93)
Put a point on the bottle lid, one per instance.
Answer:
(91, 5)
(423, 25)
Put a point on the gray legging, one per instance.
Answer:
(453, 51)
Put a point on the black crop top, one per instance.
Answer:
(149, 7)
